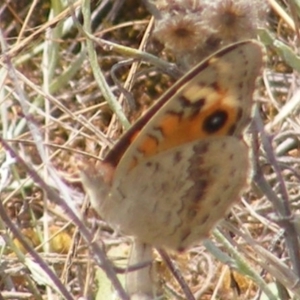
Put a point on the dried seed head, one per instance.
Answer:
(194, 29)
(235, 20)
(181, 32)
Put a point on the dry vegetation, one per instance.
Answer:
(53, 111)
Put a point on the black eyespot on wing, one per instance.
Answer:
(215, 121)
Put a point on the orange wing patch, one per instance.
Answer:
(197, 121)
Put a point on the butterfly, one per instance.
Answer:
(176, 172)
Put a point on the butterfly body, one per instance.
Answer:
(179, 169)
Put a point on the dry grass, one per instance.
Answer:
(52, 110)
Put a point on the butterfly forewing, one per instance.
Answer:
(214, 99)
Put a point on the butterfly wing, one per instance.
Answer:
(174, 198)
(213, 99)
